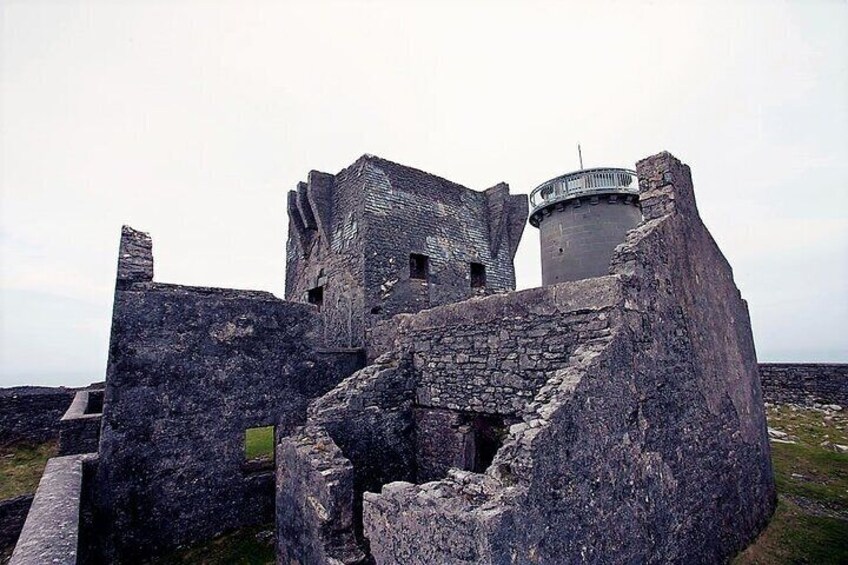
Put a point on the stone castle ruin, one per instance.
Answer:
(423, 411)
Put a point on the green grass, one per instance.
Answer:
(21, 466)
(796, 536)
(259, 443)
(247, 546)
(810, 524)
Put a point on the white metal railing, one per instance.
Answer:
(586, 182)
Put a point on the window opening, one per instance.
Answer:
(316, 296)
(478, 275)
(419, 266)
(259, 448)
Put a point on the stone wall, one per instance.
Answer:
(325, 249)
(13, 513)
(360, 436)
(649, 446)
(80, 426)
(32, 414)
(491, 355)
(315, 501)
(190, 370)
(805, 383)
(52, 529)
(410, 211)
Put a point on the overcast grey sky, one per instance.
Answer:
(191, 120)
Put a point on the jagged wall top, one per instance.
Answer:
(135, 257)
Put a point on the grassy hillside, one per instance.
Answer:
(811, 521)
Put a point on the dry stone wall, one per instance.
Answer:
(491, 355)
(805, 383)
(32, 414)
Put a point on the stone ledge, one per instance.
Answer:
(51, 531)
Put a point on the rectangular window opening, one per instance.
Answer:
(419, 266)
(316, 296)
(478, 275)
(259, 448)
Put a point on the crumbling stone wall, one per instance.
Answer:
(359, 436)
(805, 383)
(649, 446)
(353, 233)
(190, 369)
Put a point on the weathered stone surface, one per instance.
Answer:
(51, 531)
(190, 370)
(367, 421)
(647, 446)
(315, 501)
(491, 355)
(352, 234)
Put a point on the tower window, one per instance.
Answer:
(478, 275)
(419, 266)
(316, 296)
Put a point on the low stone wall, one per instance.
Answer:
(51, 531)
(13, 513)
(315, 501)
(32, 414)
(805, 383)
(80, 426)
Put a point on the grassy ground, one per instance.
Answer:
(21, 466)
(810, 524)
(259, 443)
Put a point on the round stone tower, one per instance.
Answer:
(582, 216)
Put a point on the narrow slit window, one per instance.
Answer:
(316, 296)
(478, 275)
(259, 448)
(419, 266)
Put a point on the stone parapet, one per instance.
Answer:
(52, 529)
(80, 426)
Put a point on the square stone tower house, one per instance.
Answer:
(379, 239)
